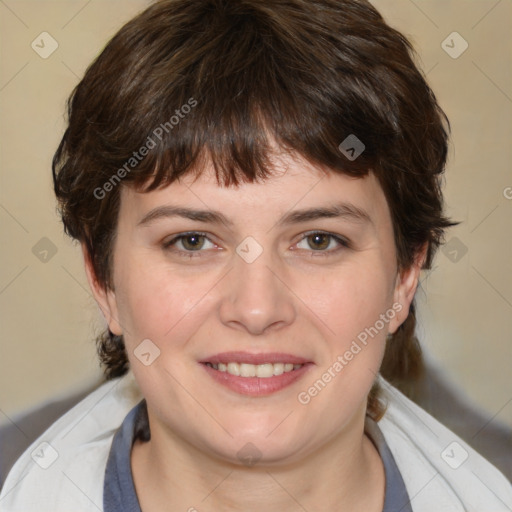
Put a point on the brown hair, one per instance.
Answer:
(197, 81)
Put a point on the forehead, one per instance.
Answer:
(295, 184)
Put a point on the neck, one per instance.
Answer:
(346, 473)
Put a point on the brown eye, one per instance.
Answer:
(189, 244)
(321, 242)
(192, 242)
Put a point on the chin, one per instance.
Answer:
(250, 446)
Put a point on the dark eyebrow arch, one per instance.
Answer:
(166, 211)
(346, 211)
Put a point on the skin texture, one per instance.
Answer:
(302, 296)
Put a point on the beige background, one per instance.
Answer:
(48, 317)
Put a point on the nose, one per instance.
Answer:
(257, 298)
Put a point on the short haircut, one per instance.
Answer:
(219, 81)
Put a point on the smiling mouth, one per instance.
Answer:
(265, 370)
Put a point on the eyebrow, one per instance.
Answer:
(343, 210)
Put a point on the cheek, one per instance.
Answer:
(155, 304)
(168, 310)
(355, 310)
(352, 301)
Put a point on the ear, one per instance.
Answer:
(405, 288)
(105, 297)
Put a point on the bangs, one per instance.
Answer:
(231, 84)
(240, 142)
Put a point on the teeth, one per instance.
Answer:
(232, 368)
(278, 368)
(255, 370)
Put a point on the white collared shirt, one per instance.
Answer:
(63, 470)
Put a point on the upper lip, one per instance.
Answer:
(250, 358)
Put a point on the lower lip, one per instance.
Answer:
(257, 386)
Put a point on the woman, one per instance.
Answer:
(256, 187)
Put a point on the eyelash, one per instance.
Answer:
(345, 244)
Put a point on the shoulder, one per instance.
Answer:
(440, 470)
(63, 469)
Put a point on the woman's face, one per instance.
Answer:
(297, 270)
